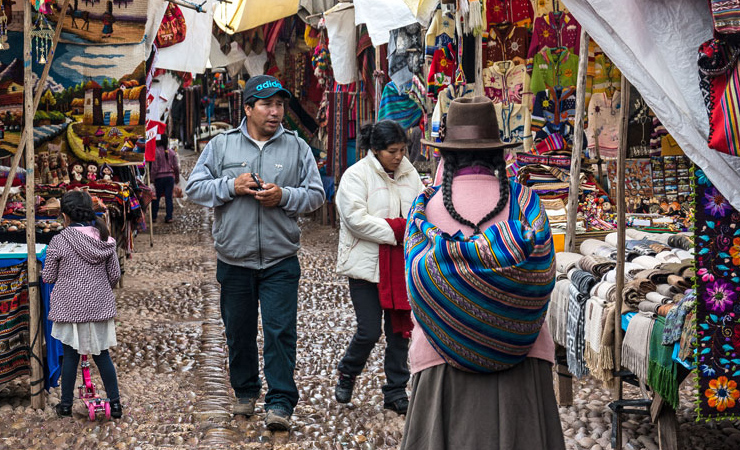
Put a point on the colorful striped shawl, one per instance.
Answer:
(481, 301)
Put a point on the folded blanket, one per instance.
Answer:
(635, 345)
(678, 268)
(662, 371)
(582, 280)
(564, 261)
(655, 297)
(666, 289)
(683, 254)
(681, 241)
(675, 319)
(667, 256)
(557, 313)
(657, 276)
(679, 282)
(659, 247)
(648, 306)
(687, 343)
(629, 268)
(605, 291)
(648, 262)
(596, 265)
(634, 292)
(595, 247)
(575, 344)
(611, 239)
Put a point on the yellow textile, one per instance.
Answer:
(242, 15)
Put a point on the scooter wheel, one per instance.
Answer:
(91, 411)
(107, 410)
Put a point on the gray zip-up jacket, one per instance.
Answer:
(245, 233)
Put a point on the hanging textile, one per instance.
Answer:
(553, 67)
(506, 42)
(191, 55)
(441, 32)
(340, 26)
(720, 83)
(717, 240)
(397, 106)
(555, 30)
(506, 82)
(405, 54)
(382, 16)
(515, 11)
(603, 124)
(14, 320)
(553, 112)
(242, 15)
(337, 131)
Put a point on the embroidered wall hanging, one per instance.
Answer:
(14, 317)
(717, 237)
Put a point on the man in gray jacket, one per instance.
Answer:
(259, 178)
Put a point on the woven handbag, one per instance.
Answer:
(173, 27)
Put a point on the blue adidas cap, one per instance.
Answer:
(264, 86)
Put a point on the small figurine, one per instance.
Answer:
(45, 170)
(106, 173)
(63, 168)
(102, 150)
(77, 170)
(54, 176)
(92, 172)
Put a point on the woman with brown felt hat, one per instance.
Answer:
(480, 269)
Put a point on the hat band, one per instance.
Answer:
(469, 133)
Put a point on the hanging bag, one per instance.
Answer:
(726, 16)
(720, 85)
(173, 28)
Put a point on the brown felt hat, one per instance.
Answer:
(471, 125)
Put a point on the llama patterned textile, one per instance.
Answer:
(84, 269)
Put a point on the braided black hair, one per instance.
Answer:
(77, 205)
(456, 160)
(381, 135)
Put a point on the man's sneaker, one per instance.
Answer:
(244, 406)
(277, 420)
(400, 406)
(343, 391)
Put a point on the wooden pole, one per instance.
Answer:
(36, 99)
(34, 300)
(149, 213)
(478, 65)
(621, 241)
(575, 161)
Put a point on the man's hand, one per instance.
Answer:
(270, 195)
(245, 185)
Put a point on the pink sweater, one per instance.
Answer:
(474, 196)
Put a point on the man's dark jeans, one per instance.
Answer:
(369, 326)
(275, 292)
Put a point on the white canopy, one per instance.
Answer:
(242, 15)
(654, 44)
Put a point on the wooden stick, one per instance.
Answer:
(621, 241)
(575, 160)
(36, 99)
(34, 300)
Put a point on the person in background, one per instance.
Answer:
(373, 199)
(108, 19)
(259, 178)
(83, 262)
(166, 174)
(480, 270)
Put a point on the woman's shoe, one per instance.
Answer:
(400, 406)
(169, 220)
(63, 410)
(343, 390)
(116, 410)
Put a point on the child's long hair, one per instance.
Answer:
(77, 205)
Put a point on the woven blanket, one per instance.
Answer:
(675, 318)
(14, 319)
(607, 291)
(657, 276)
(635, 344)
(659, 247)
(649, 307)
(679, 282)
(667, 256)
(681, 241)
(596, 265)
(575, 337)
(648, 262)
(565, 261)
(662, 371)
(678, 268)
(658, 298)
(595, 247)
(338, 121)
(634, 292)
(481, 301)
(599, 357)
(718, 298)
(687, 343)
(399, 107)
(557, 313)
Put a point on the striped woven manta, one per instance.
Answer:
(481, 301)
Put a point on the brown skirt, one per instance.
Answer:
(508, 410)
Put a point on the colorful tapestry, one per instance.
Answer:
(14, 318)
(718, 303)
(103, 22)
(338, 121)
(93, 103)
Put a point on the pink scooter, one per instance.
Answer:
(88, 395)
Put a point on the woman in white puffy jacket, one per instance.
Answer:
(373, 199)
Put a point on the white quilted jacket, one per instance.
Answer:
(365, 198)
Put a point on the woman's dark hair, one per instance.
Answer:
(77, 205)
(381, 135)
(456, 160)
